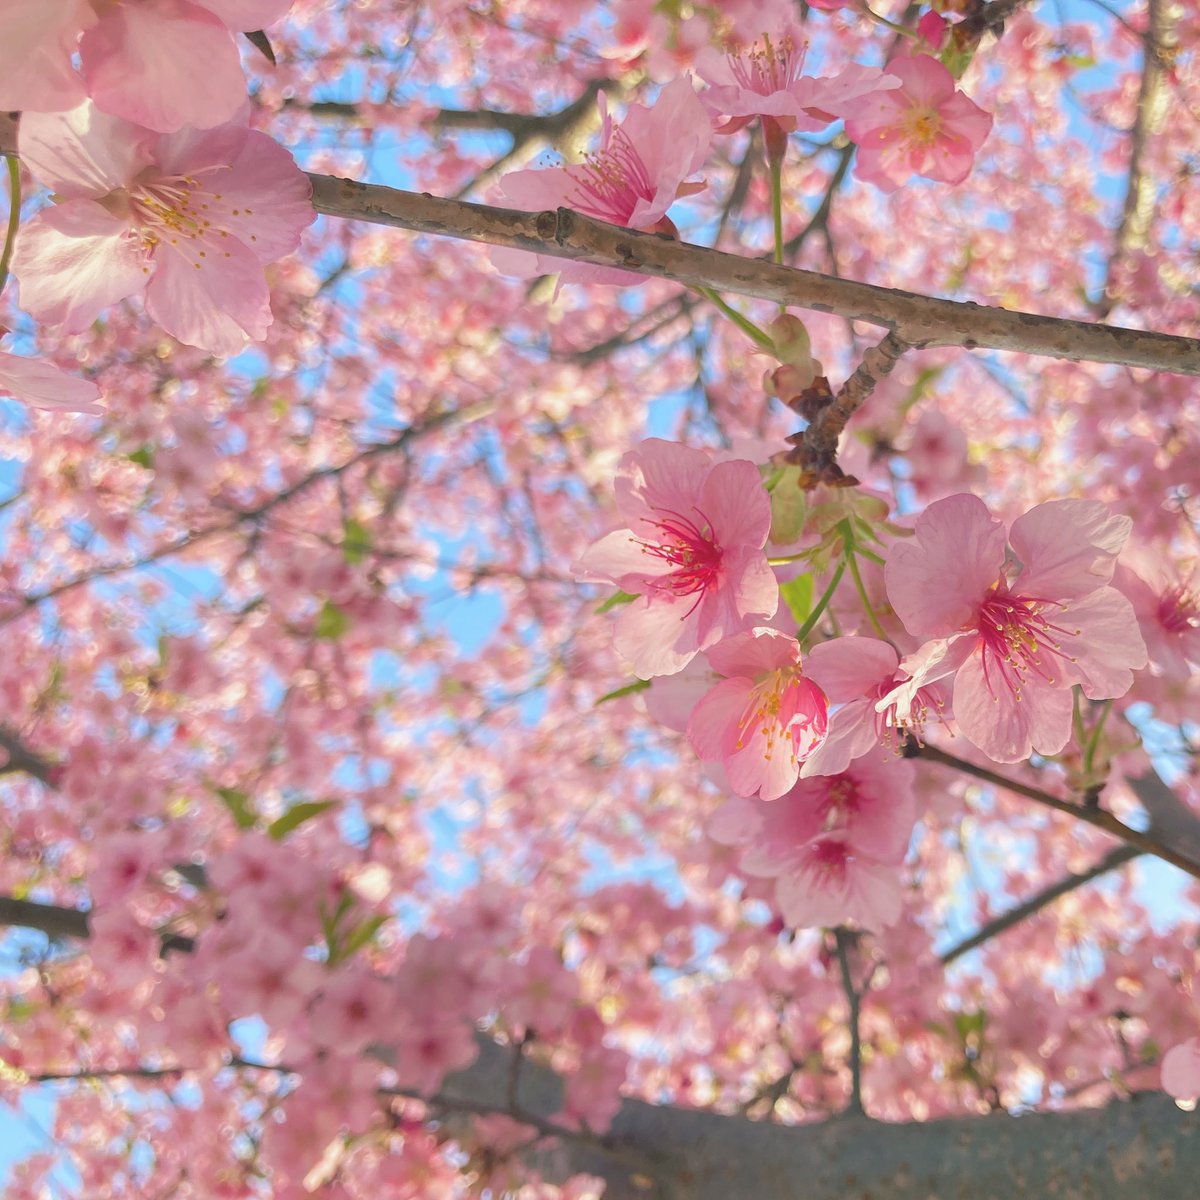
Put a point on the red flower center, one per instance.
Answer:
(1179, 610)
(1017, 641)
(691, 550)
(611, 181)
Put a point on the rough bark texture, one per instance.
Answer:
(1142, 1149)
(917, 320)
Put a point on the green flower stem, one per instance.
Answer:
(822, 604)
(14, 217)
(901, 29)
(744, 323)
(777, 209)
(862, 594)
(1093, 742)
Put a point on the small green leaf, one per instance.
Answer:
(789, 507)
(356, 541)
(798, 595)
(331, 622)
(360, 935)
(617, 598)
(143, 456)
(296, 816)
(638, 685)
(239, 806)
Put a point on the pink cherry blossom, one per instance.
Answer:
(42, 385)
(191, 218)
(632, 180)
(926, 127)
(162, 64)
(1167, 606)
(1181, 1070)
(856, 673)
(764, 719)
(832, 844)
(768, 80)
(1018, 640)
(692, 552)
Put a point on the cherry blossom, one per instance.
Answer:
(1167, 606)
(1017, 640)
(162, 64)
(190, 218)
(926, 127)
(692, 552)
(632, 180)
(764, 719)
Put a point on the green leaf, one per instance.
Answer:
(638, 685)
(360, 935)
(789, 507)
(356, 541)
(928, 375)
(616, 599)
(296, 816)
(239, 806)
(143, 456)
(798, 595)
(331, 622)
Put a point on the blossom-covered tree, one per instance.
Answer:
(676, 675)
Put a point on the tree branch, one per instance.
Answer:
(1149, 841)
(920, 321)
(1117, 857)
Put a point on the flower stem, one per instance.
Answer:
(822, 604)
(862, 594)
(880, 20)
(777, 209)
(744, 323)
(14, 217)
(1093, 742)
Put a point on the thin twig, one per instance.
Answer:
(1117, 857)
(1098, 817)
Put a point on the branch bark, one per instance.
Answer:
(920, 321)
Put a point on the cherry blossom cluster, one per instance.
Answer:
(993, 629)
(161, 187)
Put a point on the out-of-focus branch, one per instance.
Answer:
(918, 320)
(1150, 841)
(1014, 916)
(1137, 208)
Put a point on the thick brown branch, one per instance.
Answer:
(918, 320)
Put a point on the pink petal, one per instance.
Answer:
(263, 199)
(44, 386)
(659, 477)
(738, 822)
(247, 14)
(672, 139)
(657, 635)
(925, 81)
(936, 579)
(163, 65)
(713, 727)
(622, 559)
(762, 768)
(748, 593)
(83, 153)
(754, 653)
(535, 190)
(1067, 547)
(216, 305)
(849, 667)
(75, 259)
(1108, 647)
(734, 501)
(851, 733)
(671, 698)
(1006, 729)
(1181, 1070)
(36, 44)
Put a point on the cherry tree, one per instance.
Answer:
(601, 598)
